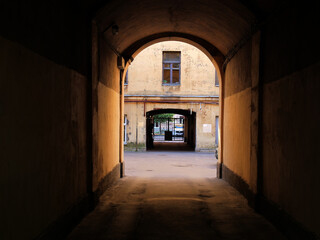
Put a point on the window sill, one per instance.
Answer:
(168, 84)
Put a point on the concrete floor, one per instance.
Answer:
(160, 164)
(172, 195)
(171, 146)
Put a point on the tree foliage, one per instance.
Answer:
(163, 117)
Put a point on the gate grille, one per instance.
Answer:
(168, 129)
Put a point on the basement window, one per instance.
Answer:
(171, 68)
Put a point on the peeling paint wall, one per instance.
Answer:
(197, 71)
(136, 127)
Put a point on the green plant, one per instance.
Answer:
(163, 117)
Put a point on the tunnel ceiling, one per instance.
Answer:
(220, 22)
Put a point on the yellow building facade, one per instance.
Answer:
(177, 78)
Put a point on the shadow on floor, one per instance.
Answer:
(137, 208)
(171, 146)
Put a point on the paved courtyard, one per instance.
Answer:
(170, 164)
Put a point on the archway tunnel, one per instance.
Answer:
(187, 138)
(62, 69)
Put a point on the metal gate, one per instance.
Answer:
(168, 129)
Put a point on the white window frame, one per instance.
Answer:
(217, 130)
(125, 124)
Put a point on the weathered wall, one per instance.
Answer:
(43, 116)
(205, 141)
(237, 114)
(136, 125)
(197, 72)
(282, 169)
(241, 119)
(107, 116)
(197, 79)
(136, 128)
(44, 61)
(291, 115)
(43, 145)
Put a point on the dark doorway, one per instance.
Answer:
(170, 128)
(176, 131)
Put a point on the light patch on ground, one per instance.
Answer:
(170, 164)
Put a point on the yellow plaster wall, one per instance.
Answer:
(237, 115)
(136, 126)
(108, 125)
(197, 71)
(106, 116)
(137, 121)
(197, 79)
(237, 130)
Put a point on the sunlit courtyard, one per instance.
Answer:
(170, 164)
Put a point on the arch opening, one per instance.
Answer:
(215, 56)
(150, 89)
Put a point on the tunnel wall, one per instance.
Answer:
(271, 119)
(43, 117)
(290, 120)
(240, 126)
(107, 119)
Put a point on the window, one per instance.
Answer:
(171, 68)
(217, 131)
(126, 78)
(125, 123)
(216, 79)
